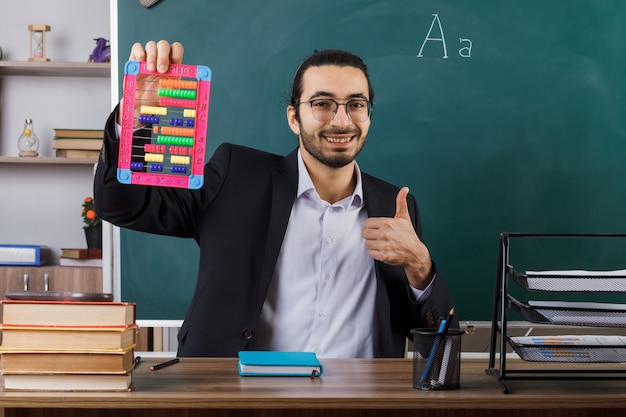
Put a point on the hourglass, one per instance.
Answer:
(38, 42)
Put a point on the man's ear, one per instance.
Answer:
(292, 119)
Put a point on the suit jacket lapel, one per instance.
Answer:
(377, 203)
(284, 189)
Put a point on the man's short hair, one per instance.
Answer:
(335, 57)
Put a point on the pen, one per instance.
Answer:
(433, 351)
(164, 364)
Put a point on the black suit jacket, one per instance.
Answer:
(239, 219)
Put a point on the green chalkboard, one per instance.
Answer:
(500, 115)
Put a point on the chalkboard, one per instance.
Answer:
(500, 115)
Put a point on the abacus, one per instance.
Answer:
(164, 125)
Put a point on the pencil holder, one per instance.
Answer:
(436, 359)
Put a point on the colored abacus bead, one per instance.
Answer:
(149, 119)
(179, 169)
(153, 157)
(180, 160)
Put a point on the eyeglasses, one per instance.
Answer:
(325, 109)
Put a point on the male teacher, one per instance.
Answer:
(303, 252)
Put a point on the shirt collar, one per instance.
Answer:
(305, 186)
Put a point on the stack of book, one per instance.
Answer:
(67, 345)
(82, 257)
(78, 143)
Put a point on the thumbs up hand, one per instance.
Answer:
(394, 242)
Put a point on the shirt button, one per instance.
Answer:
(327, 277)
(322, 313)
(329, 239)
(247, 334)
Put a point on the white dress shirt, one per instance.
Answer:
(322, 296)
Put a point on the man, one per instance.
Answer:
(303, 252)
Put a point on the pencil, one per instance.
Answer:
(448, 320)
(164, 364)
(446, 350)
(444, 326)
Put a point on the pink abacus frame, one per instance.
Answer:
(161, 151)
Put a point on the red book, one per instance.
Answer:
(81, 253)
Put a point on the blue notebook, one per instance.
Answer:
(272, 363)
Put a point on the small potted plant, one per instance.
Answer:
(92, 224)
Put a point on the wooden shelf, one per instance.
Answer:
(59, 69)
(47, 160)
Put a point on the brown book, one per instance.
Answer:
(82, 263)
(66, 362)
(67, 313)
(67, 382)
(79, 133)
(77, 153)
(68, 338)
(81, 253)
(77, 143)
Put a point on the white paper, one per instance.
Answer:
(576, 280)
(572, 348)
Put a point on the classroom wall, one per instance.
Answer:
(40, 204)
(500, 115)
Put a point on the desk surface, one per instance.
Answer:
(354, 384)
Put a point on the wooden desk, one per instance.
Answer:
(356, 387)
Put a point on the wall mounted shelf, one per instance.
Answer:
(61, 69)
(47, 160)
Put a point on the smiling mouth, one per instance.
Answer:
(333, 139)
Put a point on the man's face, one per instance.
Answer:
(338, 141)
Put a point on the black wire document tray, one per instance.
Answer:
(599, 289)
(570, 348)
(572, 313)
(572, 281)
